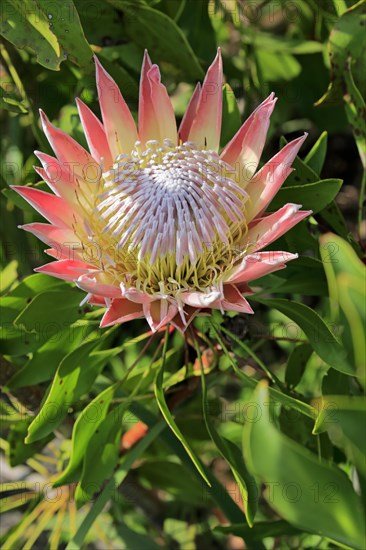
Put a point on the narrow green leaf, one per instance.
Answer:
(320, 337)
(310, 493)
(277, 395)
(160, 398)
(85, 426)
(316, 156)
(246, 482)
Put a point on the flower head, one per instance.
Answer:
(156, 222)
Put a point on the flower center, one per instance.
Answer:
(170, 214)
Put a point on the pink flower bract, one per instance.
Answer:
(155, 222)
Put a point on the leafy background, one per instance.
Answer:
(265, 446)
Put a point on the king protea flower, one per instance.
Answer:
(154, 222)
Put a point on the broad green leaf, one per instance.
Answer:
(320, 337)
(166, 475)
(16, 340)
(8, 276)
(309, 493)
(277, 66)
(314, 196)
(334, 217)
(195, 22)
(346, 280)
(65, 25)
(42, 366)
(25, 25)
(316, 156)
(281, 44)
(51, 311)
(52, 31)
(347, 40)
(160, 398)
(18, 452)
(305, 276)
(74, 377)
(152, 29)
(231, 119)
(344, 418)
(85, 426)
(101, 455)
(355, 110)
(296, 364)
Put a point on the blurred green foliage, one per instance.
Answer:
(271, 448)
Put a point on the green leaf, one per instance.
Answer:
(277, 395)
(355, 111)
(260, 529)
(344, 417)
(316, 156)
(152, 29)
(16, 340)
(101, 455)
(277, 66)
(160, 398)
(334, 217)
(25, 25)
(51, 311)
(75, 375)
(42, 366)
(320, 337)
(310, 493)
(12, 104)
(231, 119)
(305, 276)
(125, 465)
(195, 22)
(52, 32)
(66, 26)
(217, 491)
(166, 475)
(85, 426)
(347, 40)
(296, 364)
(18, 452)
(346, 280)
(246, 482)
(8, 276)
(314, 196)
